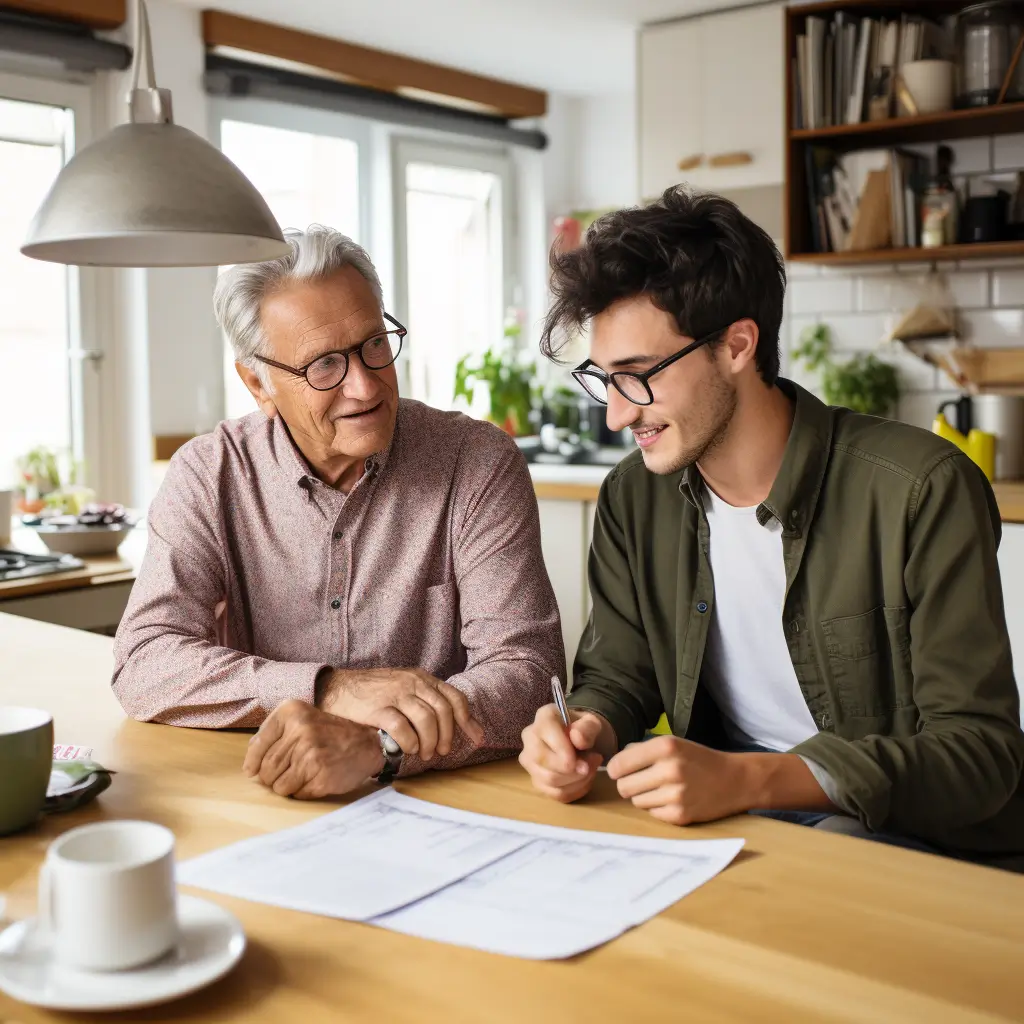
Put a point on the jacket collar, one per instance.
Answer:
(794, 494)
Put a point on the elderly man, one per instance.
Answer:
(342, 561)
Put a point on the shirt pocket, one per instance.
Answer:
(869, 660)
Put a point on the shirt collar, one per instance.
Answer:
(794, 494)
(293, 466)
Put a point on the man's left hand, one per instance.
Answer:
(307, 753)
(682, 782)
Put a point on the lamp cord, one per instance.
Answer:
(143, 47)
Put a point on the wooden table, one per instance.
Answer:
(802, 926)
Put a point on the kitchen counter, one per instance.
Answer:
(582, 483)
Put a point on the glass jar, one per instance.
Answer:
(986, 35)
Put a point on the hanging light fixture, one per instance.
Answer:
(152, 194)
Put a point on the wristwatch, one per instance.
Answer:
(392, 758)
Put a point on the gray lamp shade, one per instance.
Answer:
(153, 195)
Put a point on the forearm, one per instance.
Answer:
(781, 782)
(189, 681)
(503, 697)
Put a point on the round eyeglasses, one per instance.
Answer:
(328, 371)
(634, 387)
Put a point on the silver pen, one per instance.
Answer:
(563, 709)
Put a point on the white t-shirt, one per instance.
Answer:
(747, 667)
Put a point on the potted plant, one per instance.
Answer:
(509, 383)
(44, 485)
(864, 383)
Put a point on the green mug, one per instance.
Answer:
(26, 756)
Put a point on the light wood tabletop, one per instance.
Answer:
(801, 927)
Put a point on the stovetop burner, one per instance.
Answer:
(16, 565)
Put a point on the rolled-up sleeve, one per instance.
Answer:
(170, 663)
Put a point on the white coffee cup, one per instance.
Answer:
(6, 511)
(107, 895)
(930, 83)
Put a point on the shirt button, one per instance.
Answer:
(336, 603)
(337, 534)
(702, 606)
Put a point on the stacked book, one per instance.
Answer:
(865, 200)
(845, 70)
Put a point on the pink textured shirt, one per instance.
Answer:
(257, 575)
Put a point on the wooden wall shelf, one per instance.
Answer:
(975, 251)
(980, 122)
(898, 131)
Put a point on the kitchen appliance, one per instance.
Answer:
(985, 218)
(986, 35)
(17, 565)
(600, 432)
(1003, 416)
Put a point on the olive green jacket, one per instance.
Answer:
(893, 617)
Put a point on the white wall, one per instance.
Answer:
(185, 366)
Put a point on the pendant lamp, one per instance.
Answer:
(152, 194)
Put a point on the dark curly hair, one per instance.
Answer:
(694, 254)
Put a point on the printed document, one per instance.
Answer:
(504, 886)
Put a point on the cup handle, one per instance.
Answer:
(44, 913)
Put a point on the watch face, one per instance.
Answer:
(391, 748)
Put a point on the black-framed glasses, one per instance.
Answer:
(634, 387)
(329, 370)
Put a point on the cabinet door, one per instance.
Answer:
(1011, 569)
(669, 94)
(562, 540)
(743, 89)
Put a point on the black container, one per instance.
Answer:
(985, 218)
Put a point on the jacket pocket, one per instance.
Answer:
(861, 662)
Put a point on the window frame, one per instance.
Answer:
(87, 298)
(406, 149)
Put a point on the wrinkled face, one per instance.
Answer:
(304, 321)
(694, 398)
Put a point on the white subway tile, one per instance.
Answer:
(1008, 287)
(857, 332)
(992, 264)
(914, 268)
(919, 407)
(883, 294)
(993, 328)
(795, 271)
(821, 295)
(969, 289)
(1008, 152)
(915, 373)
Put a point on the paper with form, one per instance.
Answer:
(510, 887)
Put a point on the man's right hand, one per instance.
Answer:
(563, 762)
(419, 711)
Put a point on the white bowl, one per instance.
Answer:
(930, 83)
(84, 541)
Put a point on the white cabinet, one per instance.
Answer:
(713, 88)
(1011, 570)
(671, 108)
(564, 544)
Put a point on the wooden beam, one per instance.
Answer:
(377, 69)
(94, 13)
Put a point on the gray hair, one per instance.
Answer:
(317, 252)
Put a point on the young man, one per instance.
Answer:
(810, 595)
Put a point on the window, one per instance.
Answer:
(309, 172)
(49, 378)
(453, 229)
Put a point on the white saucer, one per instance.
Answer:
(212, 942)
